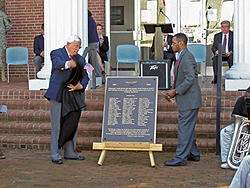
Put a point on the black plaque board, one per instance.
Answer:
(130, 109)
(165, 28)
(159, 68)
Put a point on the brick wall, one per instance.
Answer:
(27, 17)
(97, 7)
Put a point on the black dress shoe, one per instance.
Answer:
(191, 157)
(79, 157)
(214, 82)
(174, 162)
(2, 156)
(59, 161)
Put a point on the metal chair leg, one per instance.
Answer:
(117, 69)
(28, 72)
(8, 73)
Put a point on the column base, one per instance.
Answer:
(38, 84)
(236, 84)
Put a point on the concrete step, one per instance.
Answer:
(43, 143)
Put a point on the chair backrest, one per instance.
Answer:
(127, 54)
(17, 55)
(198, 51)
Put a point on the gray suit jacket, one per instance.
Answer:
(187, 86)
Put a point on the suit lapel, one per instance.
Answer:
(220, 38)
(230, 40)
(65, 54)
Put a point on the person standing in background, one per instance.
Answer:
(39, 50)
(91, 50)
(5, 26)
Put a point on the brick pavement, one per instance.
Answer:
(24, 168)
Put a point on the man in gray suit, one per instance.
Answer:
(187, 93)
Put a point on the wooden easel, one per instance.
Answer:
(127, 146)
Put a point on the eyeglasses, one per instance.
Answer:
(224, 26)
(77, 47)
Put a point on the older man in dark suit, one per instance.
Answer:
(62, 65)
(225, 38)
(187, 93)
(39, 50)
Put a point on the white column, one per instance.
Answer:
(62, 18)
(238, 77)
(172, 10)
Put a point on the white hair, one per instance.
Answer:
(73, 38)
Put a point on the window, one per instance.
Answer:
(117, 15)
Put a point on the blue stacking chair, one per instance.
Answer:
(127, 54)
(16, 56)
(199, 53)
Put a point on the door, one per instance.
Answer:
(121, 27)
(200, 21)
(192, 20)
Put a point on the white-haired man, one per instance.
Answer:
(62, 65)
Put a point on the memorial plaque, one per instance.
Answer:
(130, 109)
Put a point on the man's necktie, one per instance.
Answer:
(224, 44)
(175, 71)
(70, 57)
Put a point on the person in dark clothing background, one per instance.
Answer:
(39, 50)
(225, 38)
(226, 134)
(103, 44)
(167, 48)
(91, 50)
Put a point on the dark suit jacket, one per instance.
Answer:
(38, 44)
(92, 32)
(103, 49)
(187, 86)
(218, 40)
(169, 39)
(59, 75)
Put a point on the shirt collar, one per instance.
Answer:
(178, 54)
(67, 51)
(225, 34)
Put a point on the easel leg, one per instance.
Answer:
(102, 156)
(151, 156)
